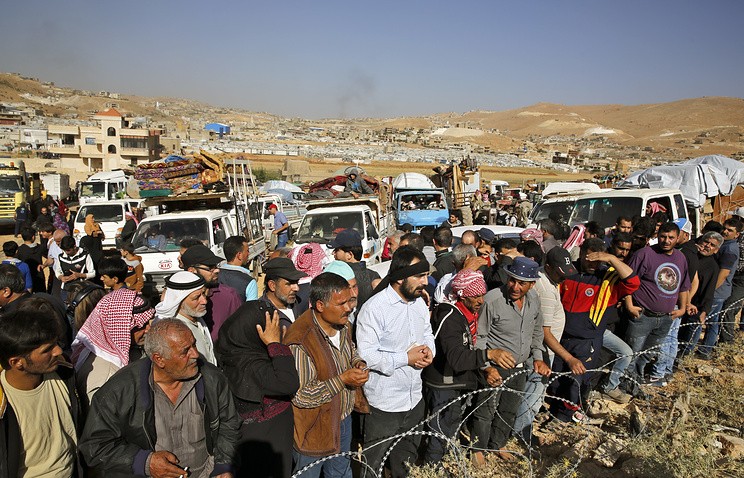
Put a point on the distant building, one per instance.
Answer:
(113, 144)
(218, 128)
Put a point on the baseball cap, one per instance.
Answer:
(346, 238)
(684, 225)
(559, 259)
(200, 255)
(486, 234)
(283, 267)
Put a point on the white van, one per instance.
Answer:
(110, 215)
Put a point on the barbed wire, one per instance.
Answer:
(458, 450)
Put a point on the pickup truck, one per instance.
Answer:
(418, 201)
(326, 218)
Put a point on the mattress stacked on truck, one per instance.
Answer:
(173, 177)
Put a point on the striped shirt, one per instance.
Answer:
(387, 327)
(313, 392)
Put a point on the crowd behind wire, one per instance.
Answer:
(480, 332)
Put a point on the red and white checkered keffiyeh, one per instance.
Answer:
(468, 283)
(309, 258)
(108, 330)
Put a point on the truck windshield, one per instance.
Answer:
(166, 235)
(102, 213)
(10, 184)
(604, 211)
(322, 228)
(419, 201)
(93, 190)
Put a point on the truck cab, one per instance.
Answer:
(418, 201)
(157, 239)
(104, 186)
(325, 219)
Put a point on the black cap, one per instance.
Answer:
(486, 234)
(346, 238)
(200, 255)
(559, 259)
(283, 267)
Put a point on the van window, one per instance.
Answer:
(663, 201)
(371, 229)
(102, 212)
(219, 233)
(604, 211)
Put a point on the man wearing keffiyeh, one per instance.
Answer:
(102, 345)
(457, 364)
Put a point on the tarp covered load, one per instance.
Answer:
(732, 168)
(697, 182)
(278, 184)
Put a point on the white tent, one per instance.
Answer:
(696, 181)
(277, 184)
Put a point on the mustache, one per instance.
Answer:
(63, 363)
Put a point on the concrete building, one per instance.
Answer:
(115, 143)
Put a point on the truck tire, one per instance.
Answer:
(467, 216)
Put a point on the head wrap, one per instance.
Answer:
(576, 239)
(402, 273)
(107, 332)
(340, 268)
(309, 258)
(468, 283)
(656, 207)
(177, 287)
(532, 234)
(131, 216)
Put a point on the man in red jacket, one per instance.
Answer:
(589, 299)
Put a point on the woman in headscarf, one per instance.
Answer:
(115, 328)
(59, 221)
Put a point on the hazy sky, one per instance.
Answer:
(382, 58)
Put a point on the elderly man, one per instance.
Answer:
(456, 366)
(185, 299)
(510, 320)
(39, 407)
(222, 300)
(167, 415)
(394, 337)
(330, 371)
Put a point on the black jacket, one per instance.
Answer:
(120, 432)
(444, 264)
(11, 445)
(456, 362)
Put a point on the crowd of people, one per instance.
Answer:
(223, 376)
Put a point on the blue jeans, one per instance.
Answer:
(623, 356)
(668, 352)
(281, 240)
(644, 333)
(337, 467)
(534, 391)
(712, 327)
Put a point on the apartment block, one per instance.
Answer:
(115, 143)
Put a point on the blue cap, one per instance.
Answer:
(523, 268)
(684, 225)
(340, 268)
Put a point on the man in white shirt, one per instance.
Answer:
(394, 337)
